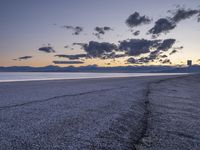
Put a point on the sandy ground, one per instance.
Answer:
(118, 113)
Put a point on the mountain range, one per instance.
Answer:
(94, 68)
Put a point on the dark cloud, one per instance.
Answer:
(162, 25)
(97, 50)
(153, 48)
(113, 55)
(144, 60)
(150, 58)
(154, 55)
(173, 52)
(156, 52)
(136, 19)
(182, 14)
(24, 58)
(76, 30)
(68, 27)
(166, 44)
(72, 57)
(166, 61)
(66, 46)
(163, 56)
(119, 55)
(101, 30)
(79, 44)
(141, 60)
(68, 62)
(136, 33)
(132, 61)
(47, 49)
(135, 47)
(179, 48)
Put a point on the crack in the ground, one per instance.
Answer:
(57, 97)
(140, 142)
(143, 140)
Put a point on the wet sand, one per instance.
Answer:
(117, 113)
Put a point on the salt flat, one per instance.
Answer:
(109, 113)
(174, 120)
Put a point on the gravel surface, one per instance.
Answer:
(118, 113)
(174, 119)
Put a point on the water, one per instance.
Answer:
(32, 76)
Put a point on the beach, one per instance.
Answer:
(155, 112)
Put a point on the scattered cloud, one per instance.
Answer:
(23, 58)
(166, 44)
(108, 64)
(136, 19)
(173, 52)
(113, 55)
(153, 49)
(182, 14)
(79, 44)
(67, 46)
(47, 49)
(179, 48)
(163, 56)
(68, 62)
(135, 47)
(72, 57)
(141, 60)
(101, 31)
(198, 18)
(76, 30)
(166, 61)
(132, 61)
(98, 50)
(136, 33)
(162, 25)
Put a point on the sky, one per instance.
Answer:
(103, 33)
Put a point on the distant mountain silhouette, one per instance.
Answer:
(93, 68)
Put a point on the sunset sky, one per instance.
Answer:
(105, 32)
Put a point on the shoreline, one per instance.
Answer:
(26, 76)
